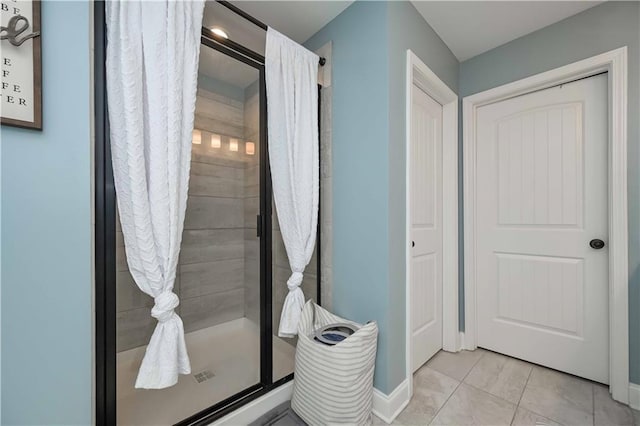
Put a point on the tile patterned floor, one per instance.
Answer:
(486, 388)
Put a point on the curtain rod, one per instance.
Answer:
(254, 21)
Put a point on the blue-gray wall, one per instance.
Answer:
(596, 30)
(46, 237)
(360, 129)
(407, 30)
(370, 40)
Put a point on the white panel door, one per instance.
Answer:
(425, 205)
(542, 290)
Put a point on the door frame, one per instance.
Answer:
(614, 63)
(422, 76)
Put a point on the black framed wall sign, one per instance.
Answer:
(21, 66)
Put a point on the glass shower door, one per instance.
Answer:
(219, 270)
(220, 284)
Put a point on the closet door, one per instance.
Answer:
(542, 228)
(425, 191)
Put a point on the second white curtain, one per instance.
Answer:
(291, 73)
(152, 71)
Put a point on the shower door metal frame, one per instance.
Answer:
(105, 245)
(264, 232)
(105, 236)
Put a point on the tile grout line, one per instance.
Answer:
(490, 394)
(474, 365)
(593, 405)
(521, 395)
(454, 391)
(444, 403)
(546, 416)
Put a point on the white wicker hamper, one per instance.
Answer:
(333, 384)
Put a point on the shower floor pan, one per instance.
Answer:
(225, 359)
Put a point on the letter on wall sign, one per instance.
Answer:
(20, 47)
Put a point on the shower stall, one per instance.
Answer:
(233, 267)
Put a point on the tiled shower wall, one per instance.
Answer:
(218, 262)
(212, 287)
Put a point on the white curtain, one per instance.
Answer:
(152, 69)
(291, 73)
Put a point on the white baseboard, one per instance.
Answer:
(387, 407)
(256, 408)
(465, 344)
(634, 396)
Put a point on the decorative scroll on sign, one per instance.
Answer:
(20, 49)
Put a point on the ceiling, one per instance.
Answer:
(470, 28)
(298, 20)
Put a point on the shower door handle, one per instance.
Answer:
(259, 226)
